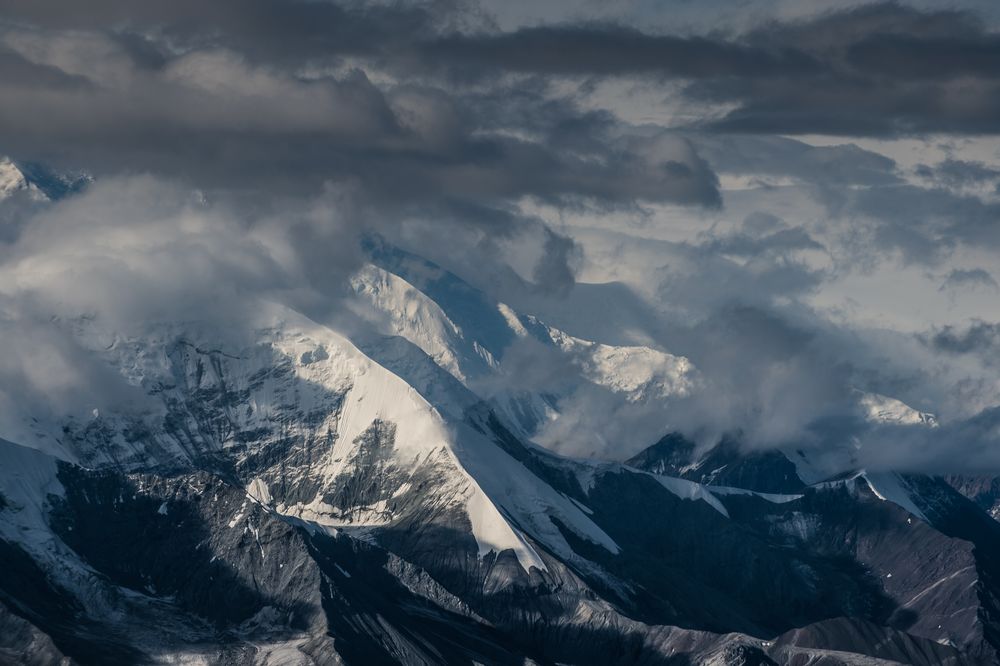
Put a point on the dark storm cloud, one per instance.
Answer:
(216, 91)
(603, 50)
(287, 31)
(881, 69)
(888, 70)
(17, 72)
(220, 113)
(160, 95)
(210, 104)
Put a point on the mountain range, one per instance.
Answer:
(376, 489)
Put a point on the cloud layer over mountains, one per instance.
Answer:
(806, 205)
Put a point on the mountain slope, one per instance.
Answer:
(282, 493)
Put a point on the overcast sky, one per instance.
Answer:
(803, 197)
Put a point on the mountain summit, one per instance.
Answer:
(285, 494)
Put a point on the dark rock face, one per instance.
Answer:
(23, 643)
(168, 539)
(983, 490)
(43, 622)
(746, 655)
(205, 569)
(723, 465)
(211, 420)
(194, 546)
(700, 569)
(832, 641)
(912, 571)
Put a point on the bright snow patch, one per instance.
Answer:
(395, 307)
(891, 487)
(638, 372)
(883, 409)
(27, 478)
(690, 490)
(12, 180)
(259, 492)
(774, 498)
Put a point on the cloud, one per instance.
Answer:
(763, 375)
(139, 250)
(290, 32)
(888, 70)
(959, 173)
(880, 69)
(829, 166)
(144, 256)
(863, 206)
(966, 447)
(255, 101)
(761, 236)
(922, 223)
(702, 279)
(554, 270)
(222, 110)
(772, 370)
(960, 278)
(785, 376)
(980, 338)
(274, 133)
(607, 49)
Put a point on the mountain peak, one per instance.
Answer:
(37, 182)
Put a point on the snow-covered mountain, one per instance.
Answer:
(12, 182)
(468, 334)
(295, 491)
(35, 182)
(883, 409)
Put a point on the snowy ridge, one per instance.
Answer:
(422, 315)
(469, 334)
(492, 479)
(409, 313)
(375, 394)
(775, 498)
(891, 487)
(587, 472)
(886, 486)
(690, 490)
